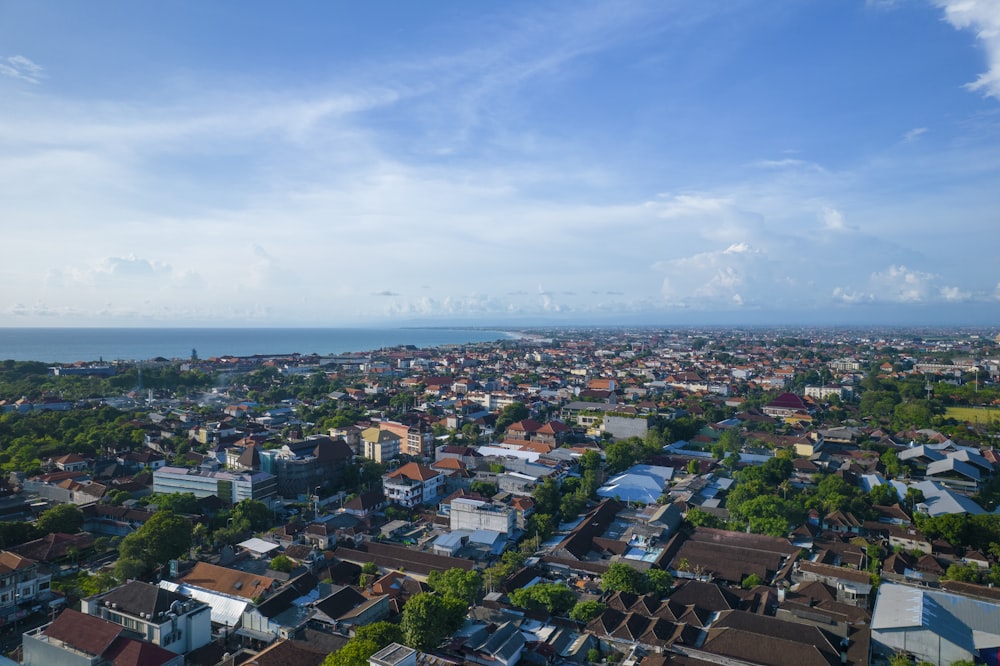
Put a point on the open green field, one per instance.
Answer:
(973, 414)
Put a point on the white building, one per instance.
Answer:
(230, 487)
(470, 514)
(168, 619)
(413, 484)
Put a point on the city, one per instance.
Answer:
(638, 496)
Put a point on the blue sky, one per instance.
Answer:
(655, 162)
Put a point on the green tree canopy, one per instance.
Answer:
(620, 577)
(164, 536)
(282, 563)
(585, 611)
(254, 512)
(64, 518)
(456, 583)
(177, 502)
(428, 618)
(554, 597)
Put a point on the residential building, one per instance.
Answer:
(470, 514)
(380, 445)
(412, 484)
(77, 639)
(21, 582)
(173, 621)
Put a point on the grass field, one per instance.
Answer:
(973, 414)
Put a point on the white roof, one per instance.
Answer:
(641, 483)
(258, 546)
(225, 609)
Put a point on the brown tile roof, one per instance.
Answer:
(770, 641)
(85, 633)
(53, 546)
(228, 581)
(414, 471)
(132, 652)
(10, 561)
(287, 653)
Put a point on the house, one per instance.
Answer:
(412, 484)
(281, 615)
(21, 581)
(786, 405)
(170, 620)
(366, 503)
(348, 605)
(853, 586)
(77, 639)
(71, 462)
(211, 577)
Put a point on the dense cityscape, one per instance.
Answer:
(633, 496)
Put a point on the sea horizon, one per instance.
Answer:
(116, 343)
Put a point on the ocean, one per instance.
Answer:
(68, 345)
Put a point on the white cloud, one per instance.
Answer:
(832, 219)
(733, 276)
(983, 18)
(19, 67)
(899, 284)
(914, 134)
(955, 295)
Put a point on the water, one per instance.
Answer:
(68, 345)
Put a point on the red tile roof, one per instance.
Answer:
(83, 632)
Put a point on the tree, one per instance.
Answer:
(572, 505)
(512, 413)
(585, 611)
(883, 495)
(356, 652)
(751, 581)
(164, 536)
(659, 582)
(701, 518)
(177, 502)
(369, 568)
(554, 597)
(621, 577)
(546, 496)
(382, 633)
(428, 618)
(282, 563)
(456, 583)
(484, 488)
(63, 518)
(590, 460)
(619, 456)
(256, 513)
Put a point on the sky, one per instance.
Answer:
(396, 162)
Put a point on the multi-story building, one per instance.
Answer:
(21, 581)
(302, 466)
(230, 487)
(173, 621)
(78, 639)
(380, 445)
(412, 484)
(470, 514)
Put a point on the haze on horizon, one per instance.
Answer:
(660, 162)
